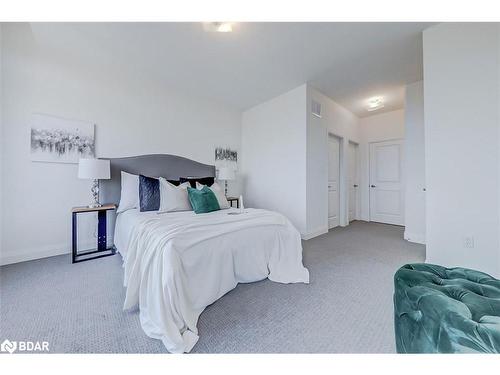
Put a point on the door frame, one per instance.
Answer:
(370, 163)
(339, 185)
(343, 219)
(357, 213)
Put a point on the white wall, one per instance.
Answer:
(414, 163)
(339, 121)
(285, 155)
(376, 128)
(273, 164)
(285, 131)
(461, 75)
(1, 137)
(336, 120)
(498, 164)
(316, 170)
(133, 114)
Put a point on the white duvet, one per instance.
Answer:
(176, 264)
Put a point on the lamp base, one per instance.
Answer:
(95, 195)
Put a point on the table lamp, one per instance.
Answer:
(226, 174)
(94, 169)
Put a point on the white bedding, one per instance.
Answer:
(176, 264)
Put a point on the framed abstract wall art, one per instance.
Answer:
(59, 140)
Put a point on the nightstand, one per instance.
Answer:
(233, 199)
(102, 249)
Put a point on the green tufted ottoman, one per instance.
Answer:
(446, 310)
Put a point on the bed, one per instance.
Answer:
(178, 263)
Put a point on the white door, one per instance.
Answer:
(353, 180)
(333, 181)
(386, 182)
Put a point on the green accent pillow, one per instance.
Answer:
(203, 200)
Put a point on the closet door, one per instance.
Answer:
(333, 181)
(386, 182)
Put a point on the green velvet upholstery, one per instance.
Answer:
(203, 201)
(446, 310)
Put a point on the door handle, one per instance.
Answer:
(373, 186)
(355, 185)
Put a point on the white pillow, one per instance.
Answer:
(174, 198)
(219, 194)
(129, 197)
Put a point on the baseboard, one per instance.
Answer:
(32, 254)
(42, 252)
(315, 233)
(416, 238)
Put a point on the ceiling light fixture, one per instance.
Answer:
(219, 27)
(375, 104)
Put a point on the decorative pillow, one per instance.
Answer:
(193, 180)
(219, 194)
(174, 198)
(203, 200)
(129, 196)
(149, 193)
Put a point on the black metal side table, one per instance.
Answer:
(233, 199)
(102, 249)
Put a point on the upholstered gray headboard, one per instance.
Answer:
(156, 165)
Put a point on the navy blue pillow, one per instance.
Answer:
(209, 181)
(149, 193)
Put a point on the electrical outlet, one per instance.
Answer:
(469, 242)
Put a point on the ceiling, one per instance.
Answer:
(349, 62)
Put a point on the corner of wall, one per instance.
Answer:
(469, 53)
(314, 233)
(275, 130)
(1, 138)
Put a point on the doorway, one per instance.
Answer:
(386, 182)
(353, 181)
(333, 181)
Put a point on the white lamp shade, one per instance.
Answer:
(226, 174)
(93, 169)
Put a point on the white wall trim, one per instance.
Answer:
(314, 233)
(414, 237)
(45, 252)
(31, 254)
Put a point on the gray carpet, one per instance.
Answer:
(347, 307)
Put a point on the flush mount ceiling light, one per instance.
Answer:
(375, 104)
(219, 27)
